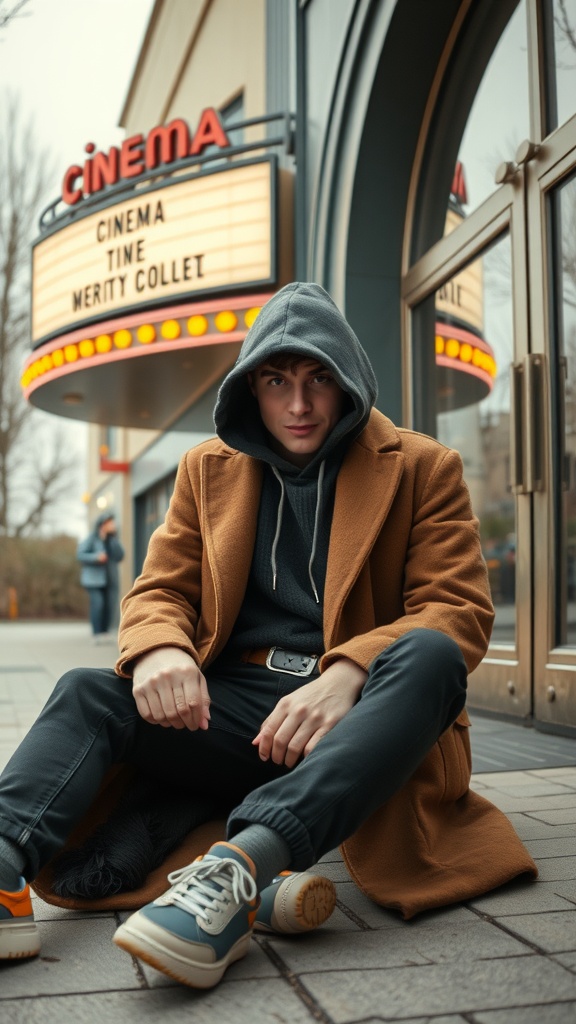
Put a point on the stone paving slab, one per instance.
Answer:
(552, 932)
(440, 988)
(417, 943)
(76, 957)
(551, 1013)
(556, 868)
(567, 960)
(524, 897)
(272, 1002)
(564, 817)
(529, 827)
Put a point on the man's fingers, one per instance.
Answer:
(194, 709)
(289, 745)
(285, 743)
(174, 699)
(268, 735)
(150, 708)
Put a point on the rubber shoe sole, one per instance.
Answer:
(302, 902)
(18, 939)
(172, 956)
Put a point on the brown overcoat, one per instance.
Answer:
(404, 554)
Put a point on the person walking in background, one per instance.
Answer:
(99, 554)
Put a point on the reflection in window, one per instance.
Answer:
(500, 118)
(474, 346)
(561, 60)
(563, 337)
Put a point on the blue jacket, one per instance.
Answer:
(95, 573)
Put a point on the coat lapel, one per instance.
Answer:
(231, 487)
(365, 490)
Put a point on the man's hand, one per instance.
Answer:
(170, 690)
(305, 716)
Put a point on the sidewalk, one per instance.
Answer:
(506, 958)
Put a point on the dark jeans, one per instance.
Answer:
(99, 609)
(415, 690)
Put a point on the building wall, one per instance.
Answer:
(195, 55)
(198, 55)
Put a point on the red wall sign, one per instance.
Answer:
(163, 145)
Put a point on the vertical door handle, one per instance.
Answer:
(527, 398)
(565, 457)
(518, 418)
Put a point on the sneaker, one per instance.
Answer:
(202, 924)
(18, 933)
(295, 902)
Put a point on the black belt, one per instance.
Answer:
(277, 659)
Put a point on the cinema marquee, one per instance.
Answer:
(164, 245)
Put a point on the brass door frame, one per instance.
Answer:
(554, 667)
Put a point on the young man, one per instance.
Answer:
(298, 644)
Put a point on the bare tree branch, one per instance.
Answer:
(32, 481)
(563, 23)
(8, 12)
(48, 482)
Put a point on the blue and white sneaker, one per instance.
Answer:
(295, 901)
(196, 929)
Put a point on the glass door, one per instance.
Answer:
(551, 188)
(490, 334)
(469, 329)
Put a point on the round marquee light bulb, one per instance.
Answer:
(170, 330)
(86, 348)
(103, 343)
(226, 321)
(197, 326)
(122, 338)
(250, 315)
(71, 353)
(58, 357)
(439, 344)
(146, 333)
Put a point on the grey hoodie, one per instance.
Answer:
(284, 598)
(300, 318)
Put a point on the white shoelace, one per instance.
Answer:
(194, 887)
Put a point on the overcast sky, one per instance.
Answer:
(70, 62)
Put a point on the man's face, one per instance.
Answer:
(107, 527)
(299, 405)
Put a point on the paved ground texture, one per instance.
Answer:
(506, 958)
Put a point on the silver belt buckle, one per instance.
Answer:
(291, 662)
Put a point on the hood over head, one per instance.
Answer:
(303, 319)
(104, 517)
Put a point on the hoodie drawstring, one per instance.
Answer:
(278, 524)
(316, 524)
(279, 517)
